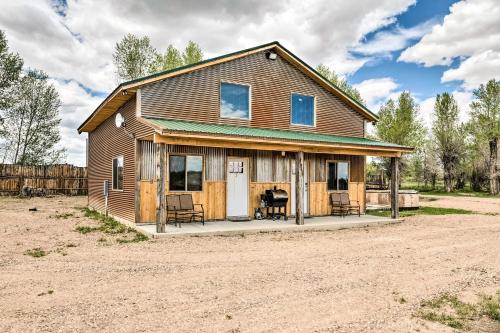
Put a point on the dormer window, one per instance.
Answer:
(234, 100)
(303, 112)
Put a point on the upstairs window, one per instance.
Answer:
(303, 110)
(234, 100)
(117, 173)
(338, 176)
(185, 173)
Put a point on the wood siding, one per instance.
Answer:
(195, 97)
(105, 143)
(266, 171)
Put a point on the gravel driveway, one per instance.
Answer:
(355, 280)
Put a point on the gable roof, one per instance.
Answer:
(127, 90)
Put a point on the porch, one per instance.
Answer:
(227, 228)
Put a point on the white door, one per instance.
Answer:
(305, 187)
(237, 187)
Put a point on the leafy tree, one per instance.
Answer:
(449, 137)
(170, 60)
(134, 57)
(331, 76)
(485, 125)
(192, 53)
(10, 69)
(399, 123)
(32, 122)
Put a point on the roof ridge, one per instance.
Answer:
(173, 70)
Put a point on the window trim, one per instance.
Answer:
(291, 110)
(348, 175)
(203, 159)
(249, 100)
(113, 173)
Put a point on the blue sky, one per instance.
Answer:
(381, 46)
(421, 81)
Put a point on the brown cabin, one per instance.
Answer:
(225, 130)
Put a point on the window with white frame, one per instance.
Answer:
(185, 173)
(117, 180)
(302, 110)
(234, 100)
(338, 176)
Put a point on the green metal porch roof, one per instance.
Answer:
(266, 133)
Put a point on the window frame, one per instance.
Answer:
(185, 172)
(113, 173)
(291, 110)
(249, 99)
(327, 166)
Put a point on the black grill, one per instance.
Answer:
(272, 199)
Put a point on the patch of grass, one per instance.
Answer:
(86, 229)
(109, 225)
(490, 306)
(450, 311)
(421, 211)
(36, 252)
(138, 237)
(63, 216)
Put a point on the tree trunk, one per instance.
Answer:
(493, 166)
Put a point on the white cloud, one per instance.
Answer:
(471, 27)
(396, 39)
(75, 103)
(77, 47)
(377, 91)
(475, 70)
(463, 98)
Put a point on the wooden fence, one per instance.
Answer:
(53, 179)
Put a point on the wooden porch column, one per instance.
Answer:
(394, 187)
(299, 187)
(160, 187)
(137, 188)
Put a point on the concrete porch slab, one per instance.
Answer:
(322, 223)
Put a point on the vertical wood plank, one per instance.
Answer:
(137, 189)
(160, 188)
(299, 188)
(394, 187)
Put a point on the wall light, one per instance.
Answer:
(271, 55)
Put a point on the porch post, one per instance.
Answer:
(137, 189)
(160, 187)
(394, 187)
(299, 187)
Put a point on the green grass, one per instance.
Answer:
(450, 311)
(490, 306)
(408, 184)
(36, 252)
(63, 216)
(109, 225)
(421, 211)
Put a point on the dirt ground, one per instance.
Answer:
(482, 205)
(344, 281)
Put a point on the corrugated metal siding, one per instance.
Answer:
(105, 143)
(148, 160)
(195, 97)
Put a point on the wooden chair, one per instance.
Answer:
(350, 205)
(180, 208)
(337, 206)
(188, 207)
